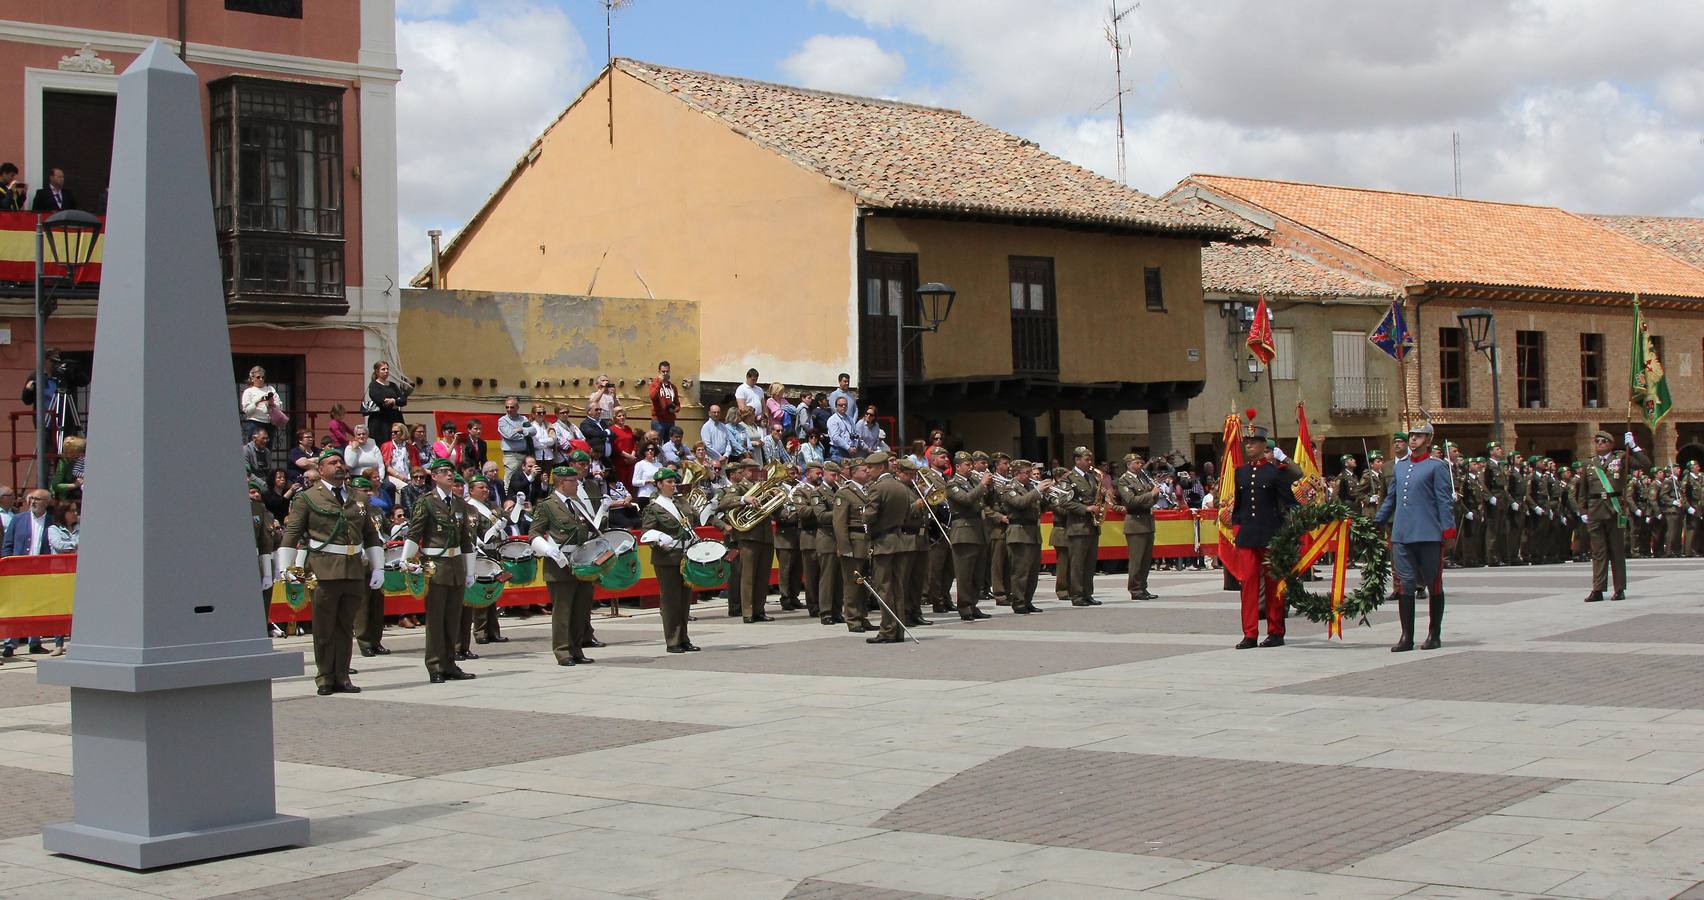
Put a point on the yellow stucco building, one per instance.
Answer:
(801, 222)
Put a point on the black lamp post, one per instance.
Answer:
(68, 237)
(1481, 327)
(936, 303)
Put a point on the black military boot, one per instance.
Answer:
(1594, 597)
(1434, 621)
(1405, 613)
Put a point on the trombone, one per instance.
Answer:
(933, 497)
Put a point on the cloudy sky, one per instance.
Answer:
(1593, 105)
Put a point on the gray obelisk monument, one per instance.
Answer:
(170, 669)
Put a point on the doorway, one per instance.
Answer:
(76, 136)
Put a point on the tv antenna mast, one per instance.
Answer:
(1455, 148)
(609, 7)
(1120, 49)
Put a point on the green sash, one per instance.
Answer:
(1614, 499)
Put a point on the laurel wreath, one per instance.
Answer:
(1366, 548)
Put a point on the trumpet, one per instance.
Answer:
(998, 480)
(766, 496)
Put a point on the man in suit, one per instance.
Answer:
(1137, 493)
(328, 535)
(1262, 497)
(26, 535)
(54, 197)
(11, 198)
(527, 484)
(1419, 509)
(1601, 494)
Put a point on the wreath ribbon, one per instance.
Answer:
(1333, 536)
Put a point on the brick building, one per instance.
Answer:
(1561, 285)
(300, 109)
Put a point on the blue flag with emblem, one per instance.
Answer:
(1391, 334)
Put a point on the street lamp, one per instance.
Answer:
(935, 304)
(1481, 327)
(69, 238)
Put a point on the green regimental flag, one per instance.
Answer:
(1650, 390)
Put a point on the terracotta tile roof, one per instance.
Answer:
(1279, 272)
(1680, 236)
(893, 155)
(1450, 240)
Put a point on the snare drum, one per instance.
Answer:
(517, 558)
(623, 571)
(394, 581)
(485, 587)
(591, 559)
(706, 564)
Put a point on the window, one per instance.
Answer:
(278, 188)
(285, 9)
(1452, 368)
(1151, 288)
(890, 282)
(1529, 369)
(1035, 320)
(1283, 354)
(1591, 370)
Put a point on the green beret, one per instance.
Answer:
(564, 472)
(440, 463)
(1345, 457)
(1375, 455)
(329, 453)
(460, 480)
(256, 483)
(1399, 436)
(580, 456)
(362, 482)
(1493, 445)
(1270, 443)
(666, 474)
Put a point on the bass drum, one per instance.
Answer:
(518, 559)
(395, 583)
(487, 584)
(706, 564)
(623, 571)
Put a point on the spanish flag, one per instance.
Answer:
(1229, 555)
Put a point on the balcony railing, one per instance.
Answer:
(1352, 396)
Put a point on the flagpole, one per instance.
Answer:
(1639, 357)
(1272, 396)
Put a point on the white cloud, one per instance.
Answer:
(1588, 105)
(848, 64)
(476, 90)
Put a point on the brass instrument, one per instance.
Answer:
(766, 496)
(695, 477)
(1103, 498)
(308, 580)
(931, 486)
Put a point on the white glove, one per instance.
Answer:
(287, 559)
(290, 577)
(376, 579)
(472, 576)
(1691, 511)
(1493, 501)
(1628, 440)
(1470, 516)
(1515, 507)
(375, 567)
(561, 560)
(267, 577)
(1278, 454)
(410, 550)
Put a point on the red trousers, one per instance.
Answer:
(1255, 559)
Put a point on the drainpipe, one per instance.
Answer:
(437, 273)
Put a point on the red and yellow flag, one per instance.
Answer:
(1230, 556)
(1260, 335)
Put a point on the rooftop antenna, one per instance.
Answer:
(1115, 39)
(609, 7)
(1455, 145)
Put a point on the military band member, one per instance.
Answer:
(265, 546)
(370, 618)
(757, 549)
(938, 574)
(1020, 502)
(1058, 537)
(888, 507)
(966, 499)
(829, 597)
(667, 522)
(482, 524)
(1418, 510)
(852, 545)
(561, 522)
(920, 532)
(438, 533)
(1602, 493)
(1348, 488)
(1080, 527)
(1671, 498)
(997, 578)
(1471, 534)
(1372, 486)
(1693, 489)
(804, 505)
(329, 536)
(1497, 506)
(1262, 496)
(789, 567)
(1137, 494)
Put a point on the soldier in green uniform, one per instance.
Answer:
(329, 536)
(560, 524)
(804, 504)
(823, 549)
(370, 618)
(1080, 527)
(937, 576)
(1602, 493)
(1021, 504)
(997, 580)
(667, 523)
(1671, 499)
(1576, 506)
(966, 499)
(1497, 505)
(982, 464)
(1058, 538)
(888, 505)
(265, 545)
(1370, 491)
(757, 550)
(438, 533)
(1693, 487)
(1347, 484)
(1472, 530)
(789, 566)
(921, 533)
(1137, 494)
(852, 546)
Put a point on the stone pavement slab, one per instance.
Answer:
(1491, 676)
(1652, 628)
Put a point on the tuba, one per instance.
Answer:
(767, 496)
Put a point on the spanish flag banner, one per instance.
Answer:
(1229, 555)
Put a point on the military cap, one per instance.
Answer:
(256, 483)
(440, 463)
(665, 474)
(1423, 428)
(564, 472)
(999, 455)
(1081, 451)
(1399, 436)
(579, 456)
(961, 457)
(1493, 445)
(329, 453)
(1603, 436)
(906, 463)
(1375, 455)
(1021, 464)
(979, 456)
(1575, 464)
(813, 464)
(831, 466)
(877, 458)
(1254, 433)
(1132, 457)
(1059, 471)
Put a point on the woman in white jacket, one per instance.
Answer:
(258, 401)
(362, 456)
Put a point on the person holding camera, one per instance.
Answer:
(261, 407)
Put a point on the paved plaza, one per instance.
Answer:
(1552, 748)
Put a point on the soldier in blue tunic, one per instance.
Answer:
(1419, 510)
